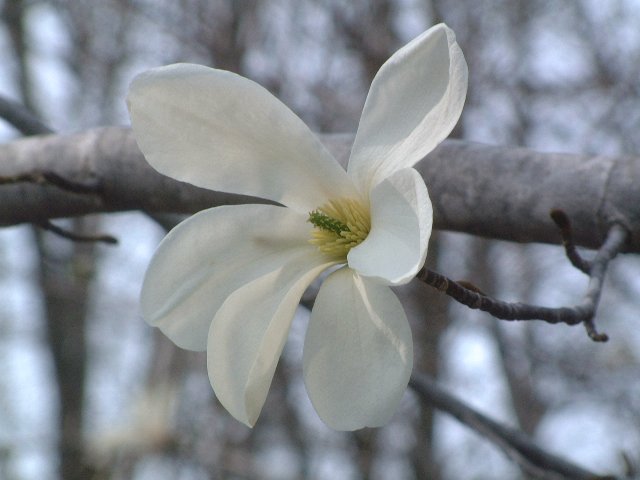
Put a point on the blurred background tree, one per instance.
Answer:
(89, 391)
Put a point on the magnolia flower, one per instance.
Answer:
(228, 279)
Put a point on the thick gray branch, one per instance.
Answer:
(497, 192)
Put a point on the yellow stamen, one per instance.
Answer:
(340, 225)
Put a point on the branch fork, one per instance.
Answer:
(584, 312)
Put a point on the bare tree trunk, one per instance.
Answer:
(64, 280)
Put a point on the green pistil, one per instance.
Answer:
(325, 222)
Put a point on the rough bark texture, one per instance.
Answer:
(496, 192)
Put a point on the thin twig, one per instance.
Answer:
(561, 219)
(516, 445)
(583, 313)
(21, 118)
(50, 227)
(616, 238)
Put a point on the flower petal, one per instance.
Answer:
(211, 254)
(358, 352)
(248, 333)
(221, 131)
(401, 219)
(414, 102)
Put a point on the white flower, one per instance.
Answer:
(228, 279)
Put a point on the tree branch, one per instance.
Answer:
(517, 446)
(496, 192)
(583, 313)
(21, 118)
(27, 123)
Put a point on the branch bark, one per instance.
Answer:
(496, 192)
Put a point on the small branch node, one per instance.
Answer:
(594, 334)
(470, 286)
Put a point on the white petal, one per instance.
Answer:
(358, 352)
(248, 333)
(401, 219)
(211, 254)
(221, 131)
(414, 102)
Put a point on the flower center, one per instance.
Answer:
(340, 225)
